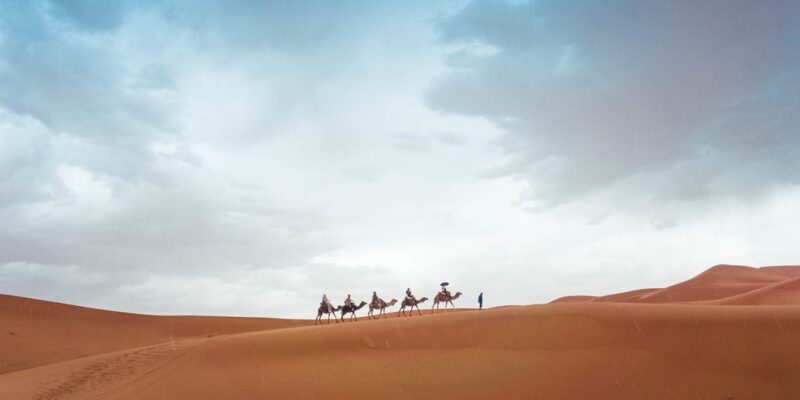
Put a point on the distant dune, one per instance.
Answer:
(721, 284)
(729, 333)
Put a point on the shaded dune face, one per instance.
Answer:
(721, 284)
(733, 334)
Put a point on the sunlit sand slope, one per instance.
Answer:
(35, 332)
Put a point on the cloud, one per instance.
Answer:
(89, 15)
(591, 94)
(195, 157)
(161, 146)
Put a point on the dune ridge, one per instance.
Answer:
(721, 284)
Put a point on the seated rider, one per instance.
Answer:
(445, 292)
(348, 301)
(410, 296)
(375, 299)
(326, 303)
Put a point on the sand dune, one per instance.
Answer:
(629, 296)
(784, 292)
(574, 299)
(35, 332)
(711, 347)
(721, 284)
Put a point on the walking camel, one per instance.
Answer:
(381, 306)
(411, 303)
(444, 298)
(351, 309)
(324, 309)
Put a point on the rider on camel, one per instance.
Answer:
(326, 302)
(445, 292)
(348, 301)
(410, 296)
(375, 299)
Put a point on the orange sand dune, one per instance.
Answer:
(35, 332)
(784, 292)
(721, 284)
(573, 350)
(574, 299)
(630, 296)
(718, 282)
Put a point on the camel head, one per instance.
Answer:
(422, 300)
(458, 294)
(391, 303)
(358, 307)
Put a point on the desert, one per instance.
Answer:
(731, 332)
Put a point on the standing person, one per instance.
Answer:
(348, 301)
(480, 301)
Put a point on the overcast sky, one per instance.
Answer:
(244, 158)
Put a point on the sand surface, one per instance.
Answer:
(729, 333)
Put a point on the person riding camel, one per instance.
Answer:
(445, 292)
(410, 296)
(326, 302)
(375, 299)
(348, 301)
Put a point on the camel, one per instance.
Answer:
(380, 305)
(323, 309)
(351, 309)
(411, 303)
(442, 298)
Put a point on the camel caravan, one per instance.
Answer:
(377, 303)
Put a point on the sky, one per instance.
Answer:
(245, 157)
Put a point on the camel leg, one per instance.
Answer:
(418, 311)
